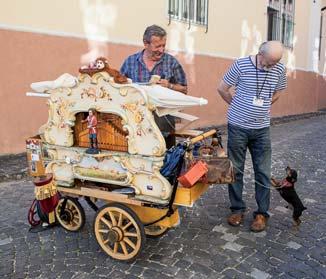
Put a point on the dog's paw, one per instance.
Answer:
(274, 182)
(297, 221)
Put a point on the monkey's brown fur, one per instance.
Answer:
(102, 65)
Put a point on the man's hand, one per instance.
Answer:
(173, 86)
(223, 89)
(164, 83)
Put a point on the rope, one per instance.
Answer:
(255, 180)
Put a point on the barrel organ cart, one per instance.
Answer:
(126, 175)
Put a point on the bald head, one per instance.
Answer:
(272, 50)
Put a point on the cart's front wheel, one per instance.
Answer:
(119, 231)
(72, 216)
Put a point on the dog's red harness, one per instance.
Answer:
(286, 184)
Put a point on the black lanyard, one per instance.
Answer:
(258, 92)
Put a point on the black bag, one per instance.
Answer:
(171, 160)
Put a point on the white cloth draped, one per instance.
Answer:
(65, 80)
(166, 98)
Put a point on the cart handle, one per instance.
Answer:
(202, 136)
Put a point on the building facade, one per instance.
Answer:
(40, 40)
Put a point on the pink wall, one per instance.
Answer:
(28, 57)
(321, 89)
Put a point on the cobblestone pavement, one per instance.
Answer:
(13, 167)
(203, 246)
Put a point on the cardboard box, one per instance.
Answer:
(197, 171)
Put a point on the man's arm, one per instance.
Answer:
(281, 85)
(179, 79)
(224, 90)
(179, 87)
(276, 96)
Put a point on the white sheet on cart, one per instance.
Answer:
(65, 80)
(169, 101)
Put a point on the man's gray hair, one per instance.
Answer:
(271, 46)
(153, 30)
(263, 48)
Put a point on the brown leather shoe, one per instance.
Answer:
(259, 223)
(235, 219)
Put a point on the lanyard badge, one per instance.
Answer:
(258, 101)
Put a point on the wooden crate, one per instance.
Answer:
(187, 196)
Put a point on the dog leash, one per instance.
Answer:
(256, 180)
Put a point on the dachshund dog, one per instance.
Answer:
(288, 193)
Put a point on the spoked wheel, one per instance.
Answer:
(119, 231)
(33, 217)
(72, 218)
(154, 231)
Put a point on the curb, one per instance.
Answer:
(13, 177)
(275, 120)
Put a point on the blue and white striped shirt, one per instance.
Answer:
(246, 78)
(167, 68)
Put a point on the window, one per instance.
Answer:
(280, 15)
(191, 11)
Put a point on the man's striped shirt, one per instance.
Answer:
(249, 82)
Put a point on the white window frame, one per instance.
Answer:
(180, 10)
(283, 28)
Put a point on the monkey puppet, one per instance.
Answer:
(102, 65)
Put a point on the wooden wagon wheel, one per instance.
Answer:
(155, 230)
(119, 231)
(72, 218)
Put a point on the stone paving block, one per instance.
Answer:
(259, 234)
(293, 245)
(208, 262)
(220, 228)
(199, 268)
(233, 273)
(182, 264)
(170, 270)
(184, 274)
(81, 275)
(5, 241)
(229, 237)
(152, 273)
(233, 246)
(259, 274)
(307, 200)
(135, 270)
